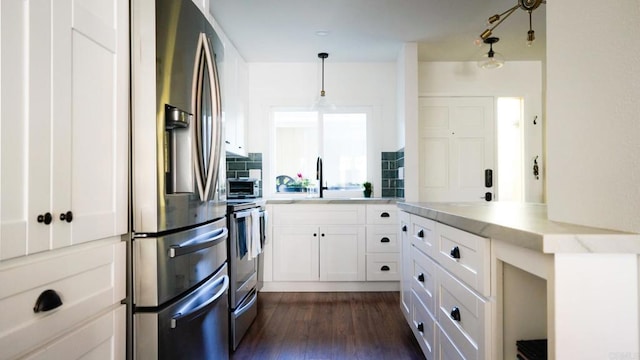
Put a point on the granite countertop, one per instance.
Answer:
(525, 225)
(316, 200)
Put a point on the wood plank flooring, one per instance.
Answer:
(338, 325)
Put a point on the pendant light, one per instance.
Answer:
(322, 103)
(492, 59)
(495, 20)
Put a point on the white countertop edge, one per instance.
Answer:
(527, 226)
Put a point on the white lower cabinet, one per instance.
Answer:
(318, 243)
(446, 272)
(351, 244)
(88, 319)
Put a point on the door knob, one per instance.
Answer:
(455, 314)
(46, 218)
(68, 216)
(455, 253)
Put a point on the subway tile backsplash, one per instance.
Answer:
(392, 185)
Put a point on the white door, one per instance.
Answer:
(456, 146)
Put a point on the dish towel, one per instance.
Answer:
(255, 245)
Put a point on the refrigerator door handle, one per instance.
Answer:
(201, 242)
(206, 147)
(194, 313)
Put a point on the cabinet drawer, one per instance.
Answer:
(101, 338)
(321, 214)
(424, 326)
(383, 267)
(89, 279)
(423, 280)
(422, 233)
(463, 315)
(465, 255)
(382, 238)
(382, 214)
(446, 349)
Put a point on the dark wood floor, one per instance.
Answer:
(343, 325)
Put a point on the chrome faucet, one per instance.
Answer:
(321, 187)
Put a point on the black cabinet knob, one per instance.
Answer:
(68, 216)
(46, 218)
(420, 327)
(404, 228)
(48, 300)
(455, 253)
(385, 240)
(314, 234)
(322, 234)
(421, 277)
(421, 233)
(385, 215)
(455, 314)
(384, 268)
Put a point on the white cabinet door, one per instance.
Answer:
(236, 94)
(342, 253)
(64, 115)
(295, 253)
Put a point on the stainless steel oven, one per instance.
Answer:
(247, 224)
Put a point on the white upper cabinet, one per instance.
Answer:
(235, 99)
(64, 99)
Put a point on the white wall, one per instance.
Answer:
(593, 106)
(371, 85)
(515, 78)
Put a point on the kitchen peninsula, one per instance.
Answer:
(490, 274)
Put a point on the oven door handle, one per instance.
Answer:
(194, 245)
(194, 313)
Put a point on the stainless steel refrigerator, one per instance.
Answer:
(179, 248)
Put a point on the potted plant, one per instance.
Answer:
(368, 189)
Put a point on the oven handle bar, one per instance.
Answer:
(243, 214)
(193, 246)
(204, 307)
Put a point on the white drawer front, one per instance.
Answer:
(465, 255)
(464, 316)
(88, 278)
(102, 338)
(382, 238)
(424, 278)
(423, 326)
(446, 350)
(382, 214)
(383, 267)
(320, 214)
(422, 232)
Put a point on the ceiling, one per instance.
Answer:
(374, 30)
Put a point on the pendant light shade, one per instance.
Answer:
(492, 59)
(322, 103)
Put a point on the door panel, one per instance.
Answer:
(456, 145)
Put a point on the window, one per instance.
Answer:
(303, 136)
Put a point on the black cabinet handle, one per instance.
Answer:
(385, 215)
(48, 300)
(404, 228)
(384, 268)
(46, 218)
(68, 216)
(322, 234)
(455, 253)
(421, 233)
(421, 277)
(420, 327)
(314, 234)
(455, 314)
(385, 240)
